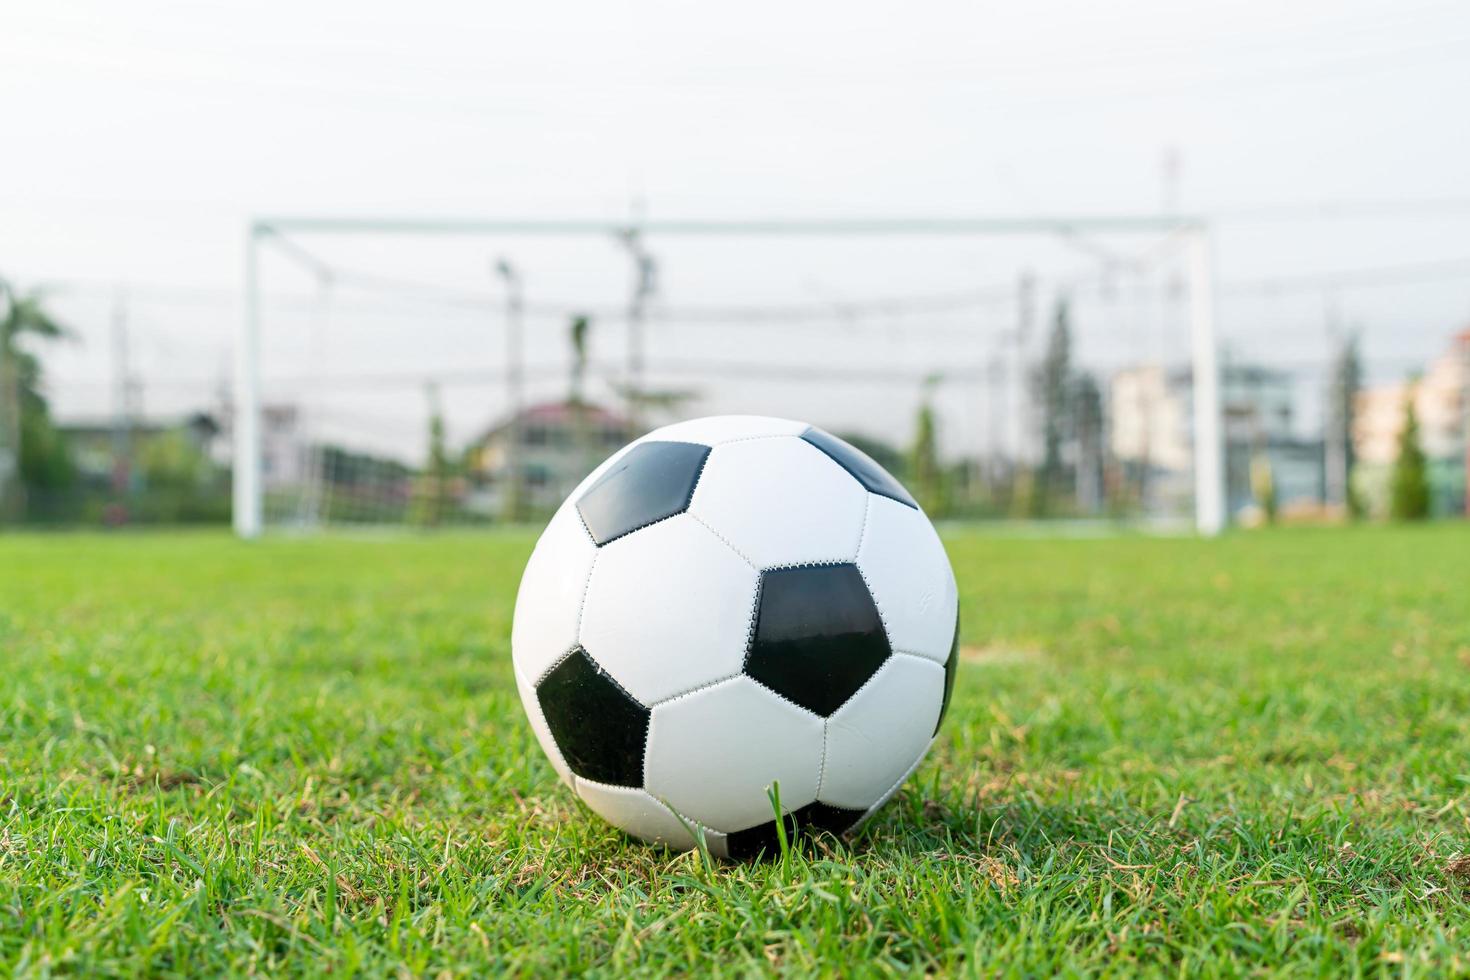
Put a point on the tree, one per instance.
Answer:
(181, 482)
(1347, 380)
(924, 465)
(1053, 382)
(31, 449)
(1409, 493)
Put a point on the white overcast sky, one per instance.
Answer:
(140, 138)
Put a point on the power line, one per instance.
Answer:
(996, 295)
(494, 376)
(477, 302)
(1020, 225)
(1358, 278)
(1428, 207)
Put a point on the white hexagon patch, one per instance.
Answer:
(780, 502)
(714, 754)
(668, 609)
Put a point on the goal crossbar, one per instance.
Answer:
(1046, 225)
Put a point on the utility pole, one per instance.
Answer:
(122, 401)
(514, 385)
(644, 277)
(1334, 458)
(1463, 339)
(1171, 169)
(995, 378)
(247, 513)
(1338, 434)
(437, 481)
(1025, 318)
(9, 408)
(1088, 424)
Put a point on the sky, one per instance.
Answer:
(1324, 140)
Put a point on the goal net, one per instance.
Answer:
(428, 374)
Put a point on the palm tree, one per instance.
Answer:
(580, 326)
(30, 447)
(24, 317)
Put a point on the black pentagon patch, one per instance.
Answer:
(951, 667)
(599, 728)
(745, 845)
(818, 635)
(653, 481)
(860, 465)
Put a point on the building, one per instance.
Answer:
(143, 471)
(107, 454)
(1151, 433)
(1442, 404)
(1150, 417)
(286, 450)
(559, 444)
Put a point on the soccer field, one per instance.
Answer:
(1165, 755)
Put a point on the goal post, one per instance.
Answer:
(1209, 427)
(1193, 233)
(246, 491)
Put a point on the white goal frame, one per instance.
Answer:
(1209, 444)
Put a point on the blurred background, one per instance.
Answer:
(476, 247)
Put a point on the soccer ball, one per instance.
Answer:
(728, 605)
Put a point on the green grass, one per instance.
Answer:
(1167, 756)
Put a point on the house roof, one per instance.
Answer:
(108, 427)
(565, 412)
(88, 427)
(560, 413)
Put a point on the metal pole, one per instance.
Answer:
(643, 271)
(1334, 455)
(1464, 341)
(122, 421)
(9, 421)
(514, 387)
(995, 377)
(1209, 436)
(246, 422)
(1337, 426)
(1020, 416)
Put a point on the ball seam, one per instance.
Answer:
(822, 763)
(586, 591)
(704, 524)
(695, 690)
(774, 435)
